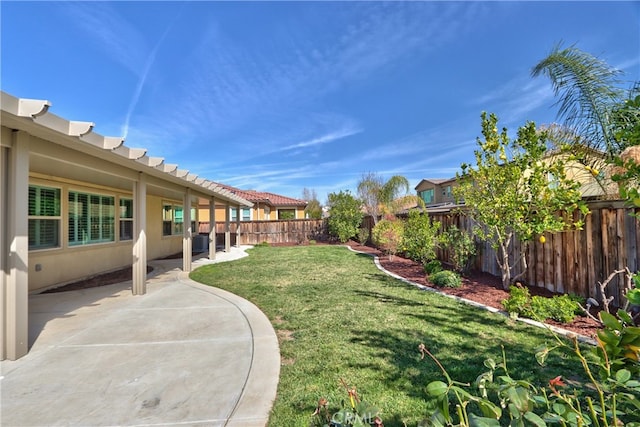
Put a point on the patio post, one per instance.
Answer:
(139, 285)
(212, 228)
(227, 228)
(187, 232)
(16, 286)
(238, 232)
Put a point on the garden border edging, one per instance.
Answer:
(560, 331)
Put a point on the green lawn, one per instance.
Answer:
(338, 316)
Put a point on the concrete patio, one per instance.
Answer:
(183, 354)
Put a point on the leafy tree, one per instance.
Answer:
(379, 196)
(369, 190)
(345, 215)
(513, 198)
(314, 208)
(419, 241)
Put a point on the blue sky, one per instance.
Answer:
(278, 96)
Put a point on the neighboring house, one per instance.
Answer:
(594, 178)
(436, 192)
(74, 204)
(595, 181)
(266, 206)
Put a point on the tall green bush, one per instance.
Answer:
(345, 215)
(419, 241)
(461, 245)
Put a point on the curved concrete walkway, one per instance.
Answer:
(184, 354)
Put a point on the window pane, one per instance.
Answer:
(126, 208)
(91, 218)
(167, 213)
(44, 233)
(44, 201)
(94, 219)
(246, 214)
(107, 219)
(286, 213)
(178, 214)
(178, 220)
(166, 228)
(427, 195)
(78, 218)
(126, 230)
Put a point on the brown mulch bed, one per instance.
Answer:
(479, 287)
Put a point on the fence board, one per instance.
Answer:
(572, 261)
(273, 232)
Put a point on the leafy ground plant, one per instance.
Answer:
(561, 308)
(337, 316)
(607, 396)
(446, 278)
(432, 266)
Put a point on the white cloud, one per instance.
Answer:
(111, 32)
(514, 100)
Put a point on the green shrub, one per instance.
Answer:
(519, 302)
(363, 236)
(433, 266)
(540, 308)
(265, 243)
(446, 279)
(345, 215)
(561, 308)
(387, 235)
(419, 240)
(461, 245)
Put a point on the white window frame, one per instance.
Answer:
(37, 218)
(105, 223)
(125, 218)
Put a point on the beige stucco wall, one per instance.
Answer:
(159, 246)
(52, 267)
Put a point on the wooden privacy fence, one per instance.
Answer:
(278, 231)
(570, 262)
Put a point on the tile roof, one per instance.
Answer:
(265, 197)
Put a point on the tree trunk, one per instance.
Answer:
(506, 271)
(504, 265)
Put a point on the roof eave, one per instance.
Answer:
(33, 115)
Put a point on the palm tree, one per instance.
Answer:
(379, 196)
(588, 90)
